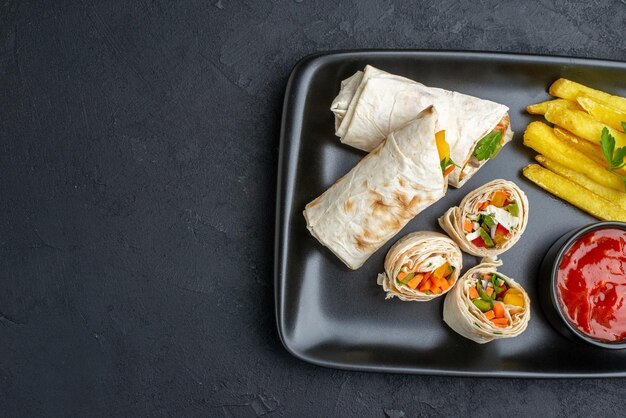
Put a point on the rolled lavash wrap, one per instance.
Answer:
(489, 220)
(483, 315)
(385, 190)
(348, 88)
(421, 266)
(372, 103)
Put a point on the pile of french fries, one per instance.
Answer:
(572, 164)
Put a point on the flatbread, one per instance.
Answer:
(385, 190)
(452, 220)
(415, 249)
(373, 103)
(467, 320)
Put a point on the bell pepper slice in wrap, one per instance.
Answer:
(486, 305)
(372, 103)
(489, 220)
(421, 266)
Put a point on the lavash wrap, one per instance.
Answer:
(415, 248)
(385, 190)
(452, 220)
(348, 88)
(372, 103)
(467, 320)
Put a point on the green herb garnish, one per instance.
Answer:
(489, 146)
(615, 157)
(623, 126)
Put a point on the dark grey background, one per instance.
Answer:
(138, 152)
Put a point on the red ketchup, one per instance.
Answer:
(591, 284)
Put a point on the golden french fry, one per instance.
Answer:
(542, 108)
(605, 114)
(591, 150)
(574, 194)
(619, 198)
(567, 89)
(542, 139)
(583, 125)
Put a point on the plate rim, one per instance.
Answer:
(303, 70)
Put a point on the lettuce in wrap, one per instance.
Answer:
(486, 305)
(489, 220)
(372, 103)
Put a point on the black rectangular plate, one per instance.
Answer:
(332, 316)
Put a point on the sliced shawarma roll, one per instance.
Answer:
(372, 103)
(489, 220)
(486, 305)
(421, 266)
(385, 190)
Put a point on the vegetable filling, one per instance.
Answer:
(494, 222)
(495, 299)
(447, 165)
(487, 148)
(433, 276)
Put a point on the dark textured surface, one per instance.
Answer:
(138, 155)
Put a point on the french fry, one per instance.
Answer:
(583, 125)
(567, 89)
(605, 114)
(542, 108)
(541, 138)
(574, 194)
(618, 198)
(591, 150)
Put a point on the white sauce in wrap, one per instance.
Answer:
(452, 220)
